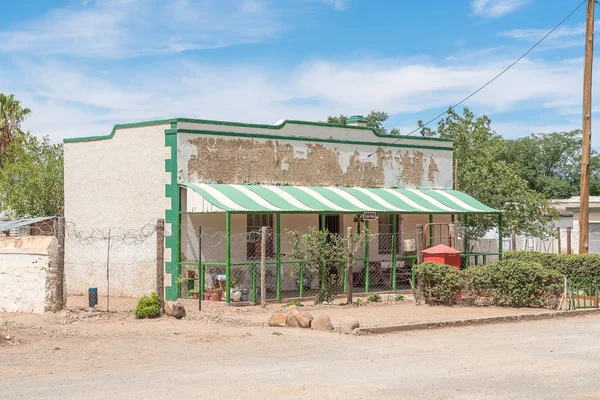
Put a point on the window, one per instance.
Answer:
(384, 223)
(254, 223)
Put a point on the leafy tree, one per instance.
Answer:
(485, 174)
(31, 181)
(375, 120)
(12, 114)
(551, 162)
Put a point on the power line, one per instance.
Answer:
(491, 80)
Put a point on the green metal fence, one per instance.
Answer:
(583, 291)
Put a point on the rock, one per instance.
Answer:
(278, 319)
(292, 320)
(321, 322)
(348, 324)
(2, 337)
(292, 310)
(175, 309)
(304, 319)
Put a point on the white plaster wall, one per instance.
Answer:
(117, 183)
(25, 270)
(392, 167)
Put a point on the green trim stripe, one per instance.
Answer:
(260, 126)
(305, 199)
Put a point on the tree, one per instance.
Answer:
(486, 174)
(375, 120)
(551, 162)
(31, 181)
(12, 114)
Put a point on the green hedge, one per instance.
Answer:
(514, 283)
(437, 283)
(509, 283)
(567, 264)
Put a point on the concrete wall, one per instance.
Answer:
(117, 183)
(30, 277)
(207, 157)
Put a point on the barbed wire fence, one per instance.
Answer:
(112, 268)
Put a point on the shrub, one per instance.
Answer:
(294, 303)
(567, 264)
(514, 283)
(437, 283)
(148, 307)
(374, 298)
(399, 297)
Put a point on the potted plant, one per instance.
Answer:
(216, 294)
(193, 293)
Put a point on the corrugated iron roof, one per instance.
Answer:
(8, 225)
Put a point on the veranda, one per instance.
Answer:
(220, 239)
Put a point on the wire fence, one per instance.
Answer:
(122, 265)
(110, 268)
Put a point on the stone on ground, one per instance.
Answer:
(175, 309)
(321, 322)
(278, 319)
(348, 324)
(304, 319)
(292, 310)
(292, 320)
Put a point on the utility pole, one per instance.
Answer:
(584, 193)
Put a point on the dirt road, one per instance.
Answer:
(121, 358)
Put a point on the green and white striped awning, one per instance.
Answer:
(209, 198)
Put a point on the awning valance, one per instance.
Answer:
(203, 197)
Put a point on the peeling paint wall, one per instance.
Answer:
(242, 160)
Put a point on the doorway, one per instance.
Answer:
(332, 224)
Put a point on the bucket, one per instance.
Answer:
(216, 294)
(93, 297)
(245, 293)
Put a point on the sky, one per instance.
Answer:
(84, 65)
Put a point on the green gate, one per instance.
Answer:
(584, 291)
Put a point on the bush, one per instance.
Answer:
(567, 264)
(437, 283)
(148, 307)
(514, 283)
(374, 298)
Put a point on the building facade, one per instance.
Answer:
(230, 179)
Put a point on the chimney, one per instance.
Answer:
(356, 120)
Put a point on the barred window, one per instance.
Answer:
(254, 223)
(384, 224)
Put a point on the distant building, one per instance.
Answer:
(41, 226)
(569, 218)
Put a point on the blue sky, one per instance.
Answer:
(84, 65)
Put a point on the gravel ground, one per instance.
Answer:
(74, 356)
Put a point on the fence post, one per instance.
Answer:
(263, 266)
(350, 269)
(569, 239)
(160, 263)
(367, 255)
(201, 282)
(559, 241)
(419, 243)
(60, 271)
(394, 248)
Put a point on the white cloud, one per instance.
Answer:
(562, 38)
(69, 100)
(496, 8)
(339, 5)
(125, 28)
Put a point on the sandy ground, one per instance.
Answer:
(117, 357)
(388, 312)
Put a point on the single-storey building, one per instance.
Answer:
(229, 179)
(568, 223)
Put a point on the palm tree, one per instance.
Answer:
(11, 116)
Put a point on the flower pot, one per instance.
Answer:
(216, 295)
(196, 295)
(207, 297)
